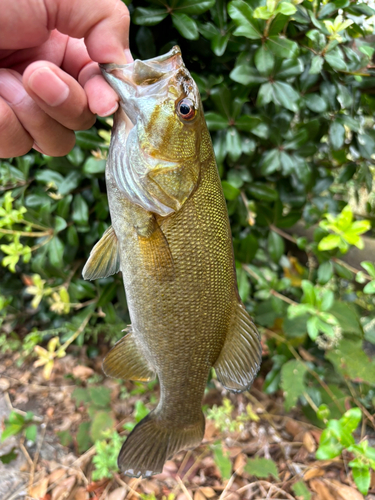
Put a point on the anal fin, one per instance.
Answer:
(104, 258)
(239, 360)
(125, 361)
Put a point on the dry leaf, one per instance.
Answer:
(55, 475)
(150, 487)
(82, 372)
(240, 462)
(313, 472)
(198, 495)
(293, 428)
(39, 489)
(63, 489)
(118, 494)
(321, 489)
(344, 492)
(208, 492)
(309, 442)
(81, 494)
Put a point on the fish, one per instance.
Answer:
(171, 238)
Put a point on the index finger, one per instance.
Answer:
(104, 24)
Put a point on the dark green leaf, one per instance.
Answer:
(262, 468)
(148, 16)
(336, 134)
(194, 6)
(242, 15)
(275, 245)
(264, 60)
(230, 192)
(56, 251)
(186, 26)
(262, 192)
(282, 47)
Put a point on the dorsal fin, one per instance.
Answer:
(240, 357)
(104, 258)
(125, 361)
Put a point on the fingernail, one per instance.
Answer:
(11, 89)
(110, 111)
(48, 87)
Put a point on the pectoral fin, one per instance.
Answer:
(154, 248)
(239, 360)
(125, 361)
(104, 258)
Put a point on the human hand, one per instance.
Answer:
(49, 82)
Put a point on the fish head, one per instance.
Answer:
(159, 124)
(161, 99)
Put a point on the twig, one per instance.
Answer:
(26, 233)
(184, 462)
(283, 297)
(183, 487)
(129, 488)
(228, 485)
(139, 479)
(359, 404)
(265, 483)
(37, 453)
(282, 233)
(351, 268)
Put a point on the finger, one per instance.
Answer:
(103, 23)
(50, 136)
(14, 140)
(58, 94)
(102, 99)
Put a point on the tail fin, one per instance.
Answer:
(153, 441)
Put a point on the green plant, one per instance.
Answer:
(106, 453)
(338, 436)
(17, 423)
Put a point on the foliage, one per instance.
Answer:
(224, 420)
(261, 467)
(287, 88)
(105, 459)
(338, 436)
(16, 423)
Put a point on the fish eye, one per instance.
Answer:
(185, 108)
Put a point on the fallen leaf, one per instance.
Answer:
(118, 494)
(39, 489)
(321, 489)
(81, 494)
(55, 475)
(63, 489)
(344, 492)
(293, 428)
(198, 495)
(309, 442)
(208, 492)
(313, 472)
(82, 372)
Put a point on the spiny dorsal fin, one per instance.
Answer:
(239, 360)
(104, 258)
(125, 361)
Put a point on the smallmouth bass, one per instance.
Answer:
(170, 237)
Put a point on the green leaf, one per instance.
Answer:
(329, 446)
(185, 25)
(262, 468)
(316, 65)
(253, 124)
(215, 121)
(362, 478)
(369, 267)
(102, 421)
(246, 75)
(336, 62)
(292, 382)
(56, 251)
(148, 16)
(31, 432)
(370, 287)
(233, 144)
(271, 162)
(336, 135)
(83, 437)
(263, 192)
(282, 47)
(100, 396)
(222, 461)
(289, 68)
(8, 457)
(329, 242)
(325, 272)
(230, 192)
(301, 491)
(275, 245)
(286, 95)
(94, 166)
(242, 15)
(264, 60)
(286, 8)
(11, 430)
(60, 224)
(80, 210)
(315, 103)
(194, 6)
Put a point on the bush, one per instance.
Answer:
(288, 94)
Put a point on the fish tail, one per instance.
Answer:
(153, 441)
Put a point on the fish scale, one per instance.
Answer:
(177, 265)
